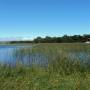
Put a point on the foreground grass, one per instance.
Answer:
(63, 73)
(25, 78)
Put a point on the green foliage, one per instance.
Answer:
(62, 72)
(35, 78)
(63, 39)
(60, 57)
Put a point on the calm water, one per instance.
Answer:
(11, 55)
(14, 54)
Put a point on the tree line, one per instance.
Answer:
(63, 39)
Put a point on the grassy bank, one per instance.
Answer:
(63, 72)
(22, 78)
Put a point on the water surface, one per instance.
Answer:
(22, 54)
(13, 54)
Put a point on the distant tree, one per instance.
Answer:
(63, 39)
(48, 39)
(38, 40)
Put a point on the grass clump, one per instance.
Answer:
(25, 78)
(63, 72)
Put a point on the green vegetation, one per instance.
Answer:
(63, 72)
(48, 39)
(63, 39)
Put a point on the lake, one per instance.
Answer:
(13, 54)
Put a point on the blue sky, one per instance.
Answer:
(32, 18)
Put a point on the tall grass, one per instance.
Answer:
(60, 57)
(63, 71)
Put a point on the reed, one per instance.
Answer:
(67, 68)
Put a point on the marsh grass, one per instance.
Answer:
(62, 72)
(60, 57)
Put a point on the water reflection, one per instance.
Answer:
(12, 55)
(83, 56)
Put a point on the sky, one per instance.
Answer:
(32, 18)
